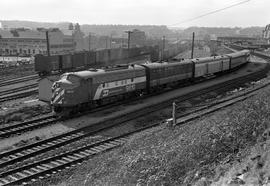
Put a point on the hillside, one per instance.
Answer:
(156, 31)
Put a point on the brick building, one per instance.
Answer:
(22, 41)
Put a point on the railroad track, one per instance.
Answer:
(23, 153)
(18, 128)
(18, 80)
(18, 89)
(50, 165)
(18, 95)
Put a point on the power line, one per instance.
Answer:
(209, 13)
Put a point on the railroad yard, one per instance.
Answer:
(134, 141)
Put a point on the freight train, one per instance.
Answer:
(46, 65)
(87, 89)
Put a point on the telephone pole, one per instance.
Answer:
(111, 41)
(48, 43)
(192, 46)
(163, 47)
(89, 41)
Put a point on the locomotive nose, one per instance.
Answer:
(58, 91)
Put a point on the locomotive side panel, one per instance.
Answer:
(118, 82)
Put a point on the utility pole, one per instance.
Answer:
(89, 40)
(111, 41)
(106, 42)
(48, 43)
(128, 32)
(163, 47)
(192, 46)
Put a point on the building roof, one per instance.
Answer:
(30, 34)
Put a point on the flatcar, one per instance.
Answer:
(91, 88)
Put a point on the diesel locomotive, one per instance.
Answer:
(91, 88)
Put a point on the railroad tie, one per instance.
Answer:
(21, 174)
(67, 159)
(48, 166)
(28, 172)
(109, 144)
(42, 168)
(19, 154)
(13, 178)
(105, 146)
(80, 156)
(115, 143)
(99, 148)
(62, 161)
(35, 170)
(120, 140)
(4, 181)
(55, 163)
(12, 156)
(90, 151)
(85, 153)
(72, 157)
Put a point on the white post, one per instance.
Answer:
(173, 114)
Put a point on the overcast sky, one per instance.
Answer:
(154, 12)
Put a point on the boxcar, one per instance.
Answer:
(78, 60)
(46, 64)
(66, 61)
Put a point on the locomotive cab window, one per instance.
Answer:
(74, 80)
